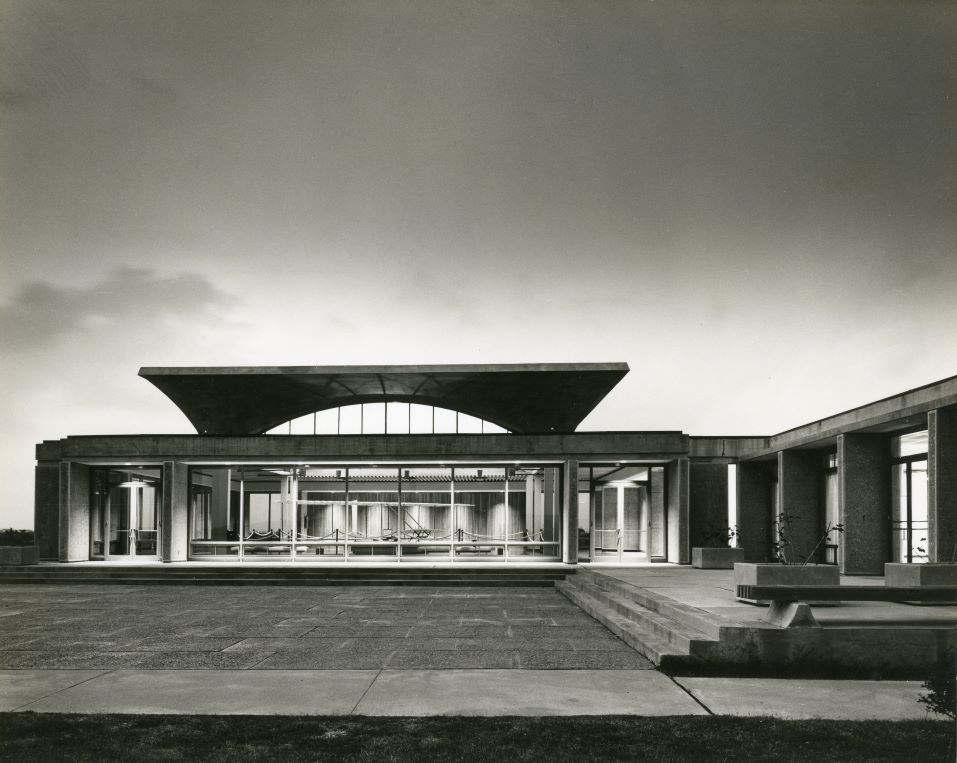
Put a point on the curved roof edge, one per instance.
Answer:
(521, 397)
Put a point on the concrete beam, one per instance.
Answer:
(174, 516)
(942, 484)
(864, 503)
(74, 499)
(579, 446)
(898, 411)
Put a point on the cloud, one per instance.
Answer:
(42, 313)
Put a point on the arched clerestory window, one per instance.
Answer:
(386, 418)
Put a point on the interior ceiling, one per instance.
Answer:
(523, 398)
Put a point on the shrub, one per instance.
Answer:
(11, 537)
(941, 696)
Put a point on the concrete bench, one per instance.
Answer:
(790, 608)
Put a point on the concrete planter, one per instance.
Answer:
(716, 558)
(748, 573)
(897, 574)
(18, 555)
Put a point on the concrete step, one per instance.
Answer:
(677, 634)
(688, 616)
(646, 642)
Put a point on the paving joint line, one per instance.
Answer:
(690, 694)
(58, 691)
(376, 678)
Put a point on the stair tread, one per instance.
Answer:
(641, 639)
(690, 618)
(683, 630)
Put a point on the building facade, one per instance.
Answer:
(509, 481)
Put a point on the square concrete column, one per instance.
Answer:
(174, 517)
(570, 512)
(707, 501)
(754, 482)
(864, 503)
(74, 498)
(657, 552)
(46, 510)
(799, 497)
(676, 480)
(551, 508)
(942, 483)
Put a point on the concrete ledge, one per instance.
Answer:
(716, 558)
(16, 556)
(896, 574)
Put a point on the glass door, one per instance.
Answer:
(621, 505)
(130, 514)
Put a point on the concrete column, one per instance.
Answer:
(864, 503)
(656, 521)
(707, 501)
(533, 503)
(219, 504)
(754, 481)
(46, 510)
(677, 478)
(570, 512)
(174, 516)
(74, 499)
(942, 483)
(799, 498)
(550, 509)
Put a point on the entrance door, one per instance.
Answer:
(619, 522)
(131, 520)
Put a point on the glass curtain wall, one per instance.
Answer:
(426, 510)
(321, 513)
(374, 513)
(832, 547)
(374, 519)
(909, 526)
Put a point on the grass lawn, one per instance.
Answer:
(60, 737)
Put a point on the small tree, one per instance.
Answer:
(720, 537)
(783, 547)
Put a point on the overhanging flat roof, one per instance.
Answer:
(523, 398)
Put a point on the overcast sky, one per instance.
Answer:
(751, 203)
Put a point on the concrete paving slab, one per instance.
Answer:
(795, 698)
(525, 692)
(20, 687)
(219, 692)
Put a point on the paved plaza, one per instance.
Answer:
(302, 628)
(364, 650)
